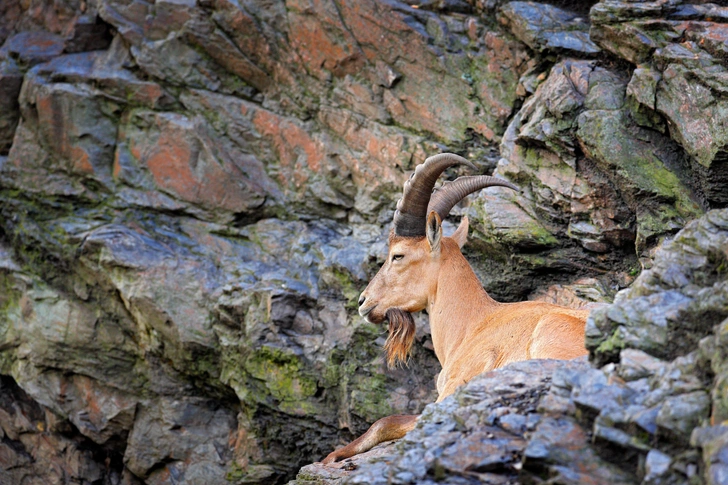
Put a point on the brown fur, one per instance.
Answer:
(385, 429)
(401, 336)
(471, 332)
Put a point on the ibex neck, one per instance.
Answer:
(458, 300)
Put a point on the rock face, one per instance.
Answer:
(194, 193)
(654, 414)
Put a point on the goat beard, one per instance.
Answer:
(401, 336)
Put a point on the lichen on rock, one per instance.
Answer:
(194, 194)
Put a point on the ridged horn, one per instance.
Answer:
(445, 198)
(411, 214)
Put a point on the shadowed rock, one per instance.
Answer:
(193, 195)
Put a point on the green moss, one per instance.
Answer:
(645, 116)
(611, 144)
(307, 479)
(641, 436)
(346, 285)
(533, 261)
(633, 157)
(332, 374)
(252, 474)
(232, 374)
(10, 312)
(635, 270)
(438, 471)
(545, 165)
(236, 84)
(8, 297)
(612, 345)
(235, 474)
(523, 232)
(369, 395)
(722, 264)
(7, 355)
(720, 395)
(542, 237)
(35, 229)
(283, 378)
(655, 221)
(204, 366)
(356, 373)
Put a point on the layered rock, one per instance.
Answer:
(680, 50)
(193, 194)
(652, 416)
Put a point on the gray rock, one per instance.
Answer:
(668, 40)
(99, 412)
(680, 414)
(636, 364)
(7, 262)
(703, 141)
(31, 48)
(681, 271)
(713, 441)
(89, 34)
(191, 441)
(188, 213)
(546, 28)
(657, 465)
(459, 437)
(560, 446)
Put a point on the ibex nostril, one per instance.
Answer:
(362, 299)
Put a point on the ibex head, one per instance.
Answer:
(416, 248)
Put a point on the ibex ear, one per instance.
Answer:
(434, 231)
(461, 233)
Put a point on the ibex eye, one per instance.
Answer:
(397, 257)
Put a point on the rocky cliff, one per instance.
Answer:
(194, 192)
(655, 413)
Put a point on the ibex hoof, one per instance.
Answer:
(333, 457)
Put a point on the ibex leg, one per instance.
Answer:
(389, 428)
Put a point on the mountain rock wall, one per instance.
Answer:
(193, 194)
(653, 413)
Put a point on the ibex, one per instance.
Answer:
(471, 332)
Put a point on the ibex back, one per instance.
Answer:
(471, 332)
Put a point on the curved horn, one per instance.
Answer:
(445, 198)
(411, 214)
